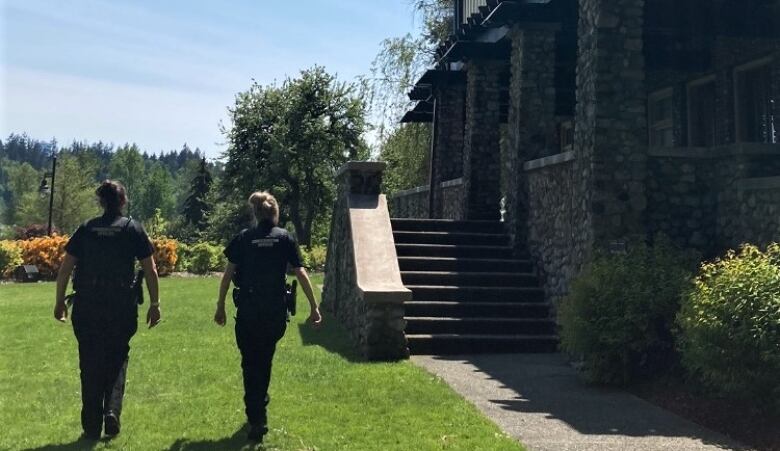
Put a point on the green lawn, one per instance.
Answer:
(184, 386)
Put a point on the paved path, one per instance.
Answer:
(540, 400)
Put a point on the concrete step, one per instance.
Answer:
(463, 264)
(446, 225)
(476, 293)
(448, 250)
(478, 309)
(443, 344)
(470, 239)
(482, 326)
(459, 278)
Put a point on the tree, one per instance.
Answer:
(74, 197)
(157, 193)
(21, 179)
(127, 166)
(195, 206)
(406, 151)
(291, 139)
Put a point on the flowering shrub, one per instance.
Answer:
(10, 257)
(165, 255)
(46, 253)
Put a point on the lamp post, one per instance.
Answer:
(46, 189)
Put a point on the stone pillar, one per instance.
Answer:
(531, 123)
(482, 140)
(450, 98)
(610, 124)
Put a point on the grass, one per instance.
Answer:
(184, 386)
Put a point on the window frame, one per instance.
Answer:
(652, 125)
(689, 87)
(746, 67)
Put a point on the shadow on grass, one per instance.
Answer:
(332, 337)
(78, 445)
(237, 441)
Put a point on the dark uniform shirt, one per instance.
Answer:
(262, 254)
(106, 248)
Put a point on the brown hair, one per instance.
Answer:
(112, 196)
(265, 209)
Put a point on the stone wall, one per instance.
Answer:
(411, 203)
(609, 171)
(698, 197)
(531, 120)
(551, 230)
(363, 287)
(481, 145)
(452, 200)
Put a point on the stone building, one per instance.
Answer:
(602, 121)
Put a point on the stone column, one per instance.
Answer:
(450, 98)
(481, 144)
(531, 123)
(610, 124)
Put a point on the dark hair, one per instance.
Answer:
(112, 196)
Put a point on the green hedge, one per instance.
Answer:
(10, 257)
(314, 257)
(205, 257)
(620, 311)
(730, 325)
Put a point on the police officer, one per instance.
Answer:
(258, 258)
(105, 312)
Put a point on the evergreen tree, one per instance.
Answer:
(195, 206)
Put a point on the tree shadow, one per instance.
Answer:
(331, 336)
(237, 441)
(545, 384)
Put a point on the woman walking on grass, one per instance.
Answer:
(257, 263)
(105, 311)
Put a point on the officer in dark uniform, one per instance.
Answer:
(105, 312)
(258, 258)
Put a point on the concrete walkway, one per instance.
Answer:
(540, 400)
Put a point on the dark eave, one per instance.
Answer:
(435, 76)
(420, 92)
(421, 113)
(478, 50)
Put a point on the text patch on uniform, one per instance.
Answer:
(106, 231)
(265, 242)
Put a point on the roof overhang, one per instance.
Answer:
(421, 113)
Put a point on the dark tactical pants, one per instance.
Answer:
(103, 326)
(257, 333)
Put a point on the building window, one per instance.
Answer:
(701, 112)
(660, 106)
(567, 136)
(756, 120)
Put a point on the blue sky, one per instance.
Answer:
(161, 73)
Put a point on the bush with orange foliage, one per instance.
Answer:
(165, 255)
(46, 253)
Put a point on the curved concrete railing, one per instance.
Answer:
(363, 287)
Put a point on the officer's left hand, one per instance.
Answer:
(153, 316)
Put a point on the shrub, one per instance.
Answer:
(206, 257)
(46, 253)
(184, 254)
(165, 255)
(314, 257)
(10, 257)
(620, 311)
(730, 325)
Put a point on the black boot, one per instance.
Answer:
(256, 432)
(111, 424)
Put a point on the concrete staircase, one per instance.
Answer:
(470, 294)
